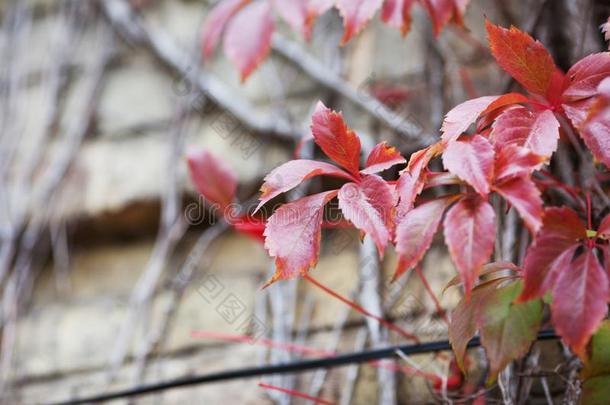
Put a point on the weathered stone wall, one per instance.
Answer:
(111, 203)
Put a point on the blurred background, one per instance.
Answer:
(115, 273)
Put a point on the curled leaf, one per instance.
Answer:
(382, 157)
(292, 173)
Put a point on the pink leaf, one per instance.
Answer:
(463, 115)
(580, 301)
(412, 179)
(316, 8)
(368, 205)
(292, 235)
(356, 14)
(515, 161)
(247, 39)
(444, 11)
(470, 234)
(332, 135)
(535, 130)
(292, 173)
(596, 134)
(522, 194)
(585, 76)
(397, 14)
(382, 157)
(294, 12)
(415, 232)
(471, 160)
(561, 230)
(212, 177)
(215, 23)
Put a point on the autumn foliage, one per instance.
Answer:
(495, 151)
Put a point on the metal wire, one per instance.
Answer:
(292, 367)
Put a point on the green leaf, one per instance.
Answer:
(598, 362)
(507, 330)
(596, 390)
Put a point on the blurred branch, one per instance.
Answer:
(407, 127)
(134, 30)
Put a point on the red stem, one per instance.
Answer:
(439, 309)
(363, 311)
(295, 393)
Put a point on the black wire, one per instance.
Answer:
(293, 367)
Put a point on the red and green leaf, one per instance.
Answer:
(472, 160)
(525, 59)
(369, 205)
(470, 234)
(292, 235)
(507, 330)
(336, 140)
(247, 39)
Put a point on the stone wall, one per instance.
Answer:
(111, 199)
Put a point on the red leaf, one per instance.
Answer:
(332, 135)
(356, 13)
(523, 194)
(415, 232)
(247, 39)
(604, 229)
(443, 11)
(294, 13)
(525, 59)
(585, 76)
(580, 301)
(535, 130)
(596, 134)
(212, 177)
(292, 235)
(368, 205)
(412, 179)
(215, 23)
(463, 115)
(470, 234)
(250, 226)
(561, 230)
(471, 160)
(382, 157)
(515, 161)
(292, 173)
(397, 14)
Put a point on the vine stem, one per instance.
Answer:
(439, 309)
(360, 309)
(295, 393)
